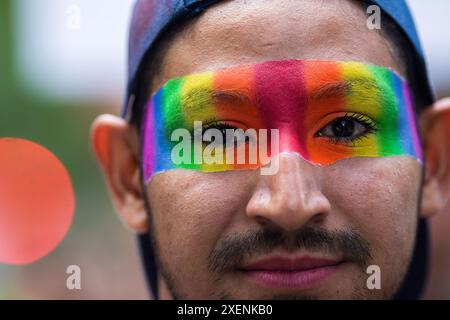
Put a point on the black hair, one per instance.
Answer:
(150, 67)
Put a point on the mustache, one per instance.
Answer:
(234, 249)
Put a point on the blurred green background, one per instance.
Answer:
(96, 242)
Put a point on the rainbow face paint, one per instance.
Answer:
(323, 111)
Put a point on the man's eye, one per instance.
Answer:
(221, 127)
(347, 129)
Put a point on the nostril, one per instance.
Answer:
(317, 219)
(262, 221)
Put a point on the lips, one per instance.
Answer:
(291, 273)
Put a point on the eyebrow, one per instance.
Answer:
(198, 98)
(331, 90)
(231, 96)
(346, 87)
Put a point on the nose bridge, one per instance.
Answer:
(291, 197)
(293, 182)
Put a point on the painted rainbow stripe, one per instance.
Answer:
(297, 97)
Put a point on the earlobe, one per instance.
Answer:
(435, 125)
(115, 145)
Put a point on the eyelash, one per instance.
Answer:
(213, 123)
(222, 125)
(369, 124)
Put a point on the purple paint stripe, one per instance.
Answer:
(412, 121)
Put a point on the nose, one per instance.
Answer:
(290, 198)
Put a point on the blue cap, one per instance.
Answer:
(150, 19)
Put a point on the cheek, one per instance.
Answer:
(194, 209)
(379, 197)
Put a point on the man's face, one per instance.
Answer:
(307, 231)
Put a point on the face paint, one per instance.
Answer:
(323, 111)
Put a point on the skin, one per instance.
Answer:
(377, 198)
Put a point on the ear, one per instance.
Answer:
(115, 144)
(435, 125)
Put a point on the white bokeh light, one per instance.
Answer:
(73, 49)
(434, 28)
(87, 60)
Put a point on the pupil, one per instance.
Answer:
(343, 128)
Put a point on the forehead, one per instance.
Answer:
(249, 31)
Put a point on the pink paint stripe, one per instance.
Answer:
(280, 92)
